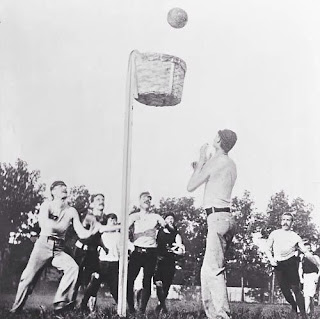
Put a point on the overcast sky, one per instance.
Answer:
(253, 67)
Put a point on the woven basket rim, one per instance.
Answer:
(152, 56)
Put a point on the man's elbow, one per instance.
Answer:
(190, 188)
(83, 235)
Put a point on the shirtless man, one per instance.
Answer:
(145, 250)
(219, 174)
(55, 217)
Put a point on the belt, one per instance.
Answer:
(217, 210)
(55, 239)
(82, 246)
(144, 249)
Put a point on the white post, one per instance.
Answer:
(123, 265)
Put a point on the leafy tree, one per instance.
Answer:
(246, 266)
(79, 198)
(20, 197)
(303, 225)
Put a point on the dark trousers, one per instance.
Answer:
(109, 274)
(288, 278)
(146, 259)
(88, 262)
(163, 277)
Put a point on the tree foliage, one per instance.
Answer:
(245, 261)
(79, 198)
(303, 225)
(20, 195)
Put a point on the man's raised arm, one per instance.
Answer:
(308, 254)
(109, 228)
(201, 170)
(79, 229)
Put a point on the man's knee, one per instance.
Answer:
(72, 268)
(159, 283)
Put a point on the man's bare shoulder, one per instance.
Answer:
(221, 162)
(134, 216)
(45, 204)
(71, 211)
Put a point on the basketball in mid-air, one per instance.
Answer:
(177, 18)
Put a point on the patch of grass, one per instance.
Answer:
(177, 310)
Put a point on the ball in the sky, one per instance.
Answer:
(177, 18)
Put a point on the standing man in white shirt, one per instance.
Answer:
(219, 174)
(282, 253)
(145, 250)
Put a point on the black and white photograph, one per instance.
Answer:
(159, 159)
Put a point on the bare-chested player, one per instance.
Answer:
(55, 217)
(219, 174)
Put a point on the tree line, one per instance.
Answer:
(21, 194)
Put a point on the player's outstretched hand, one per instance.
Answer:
(178, 249)
(273, 262)
(203, 152)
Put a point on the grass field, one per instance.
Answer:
(107, 309)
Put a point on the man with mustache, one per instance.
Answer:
(85, 253)
(219, 174)
(282, 253)
(109, 255)
(55, 217)
(145, 250)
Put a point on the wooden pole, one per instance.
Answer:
(123, 265)
(272, 288)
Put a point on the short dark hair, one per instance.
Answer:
(93, 196)
(146, 193)
(228, 139)
(169, 214)
(57, 183)
(110, 216)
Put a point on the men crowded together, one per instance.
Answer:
(97, 251)
(156, 243)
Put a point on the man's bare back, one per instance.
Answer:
(222, 176)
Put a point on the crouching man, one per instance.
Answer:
(55, 217)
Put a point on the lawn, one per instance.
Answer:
(107, 309)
